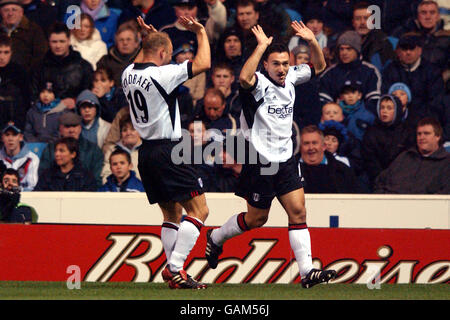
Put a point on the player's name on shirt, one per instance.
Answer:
(141, 81)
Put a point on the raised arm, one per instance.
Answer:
(317, 58)
(247, 77)
(202, 60)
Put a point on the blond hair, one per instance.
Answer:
(154, 41)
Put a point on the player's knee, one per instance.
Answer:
(298, 214)
(257, 222)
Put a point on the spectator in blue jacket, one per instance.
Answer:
(122, 178)
(351, 67)
(356, 117)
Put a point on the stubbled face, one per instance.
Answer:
(277, 66)
(315, 25)
(246, 17)
(59, 44)
(331, 143)
(213, 106)
(428, 16)
(409, 56)
(312, 148)
(359, 21)
(332, 111)
(11, 14)
(10, 182)
(232, 47)
(347, 54)
(387, 111)
(427, 140)
(120, 167)
(63, 156)
(5, 56)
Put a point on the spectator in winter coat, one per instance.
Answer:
(319, 170)
(423, 79)
(423, 169)
(87, 41)
(40, 12)
(14, 87)
(387, 138)
(122, 178)
(94, 128)
(430, 28)
(66, 173)
(43, 118)
(130, 141)
(111, 98)
(335, 134)
(64, 67)
(28, 40)
(125, 50)
(15, 154)
(376, 47)
(314, 21)
(351, 68)
(89, 154)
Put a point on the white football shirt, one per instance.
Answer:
(267, 112)
(151, 92)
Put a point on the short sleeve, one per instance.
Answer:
(173, 75)
(259, 87)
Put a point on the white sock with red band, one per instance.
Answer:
(169, 231)
(233, 227)
(300, 241)
(186, 238)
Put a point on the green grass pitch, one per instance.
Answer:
(28, 290)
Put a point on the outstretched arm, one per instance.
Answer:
(317, 58)
(247, 77)
(146, 29)
(202, 60)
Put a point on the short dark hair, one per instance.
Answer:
(71, 144)
(275, 47)
(222, 65)
(215, 92)
(105, 71)
(311, 129)
(5, 41)
(58, 27)
(124, 121)
(246, 3)
(11, 172)
(438, 131)
(119, 150)
(361, 5)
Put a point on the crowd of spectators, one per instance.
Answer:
(377, 120)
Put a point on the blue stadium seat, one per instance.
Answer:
(37, 147)
(393, 41)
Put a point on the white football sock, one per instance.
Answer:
(300, 241)
(186, 238)
(233, 227)
(169, 231)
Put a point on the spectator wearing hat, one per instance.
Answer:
(422, 169)
(196, 85)
(29, 44)
(62, 66)
(16, 155)
(42, 119)
(125, 50)
(214, 25)
(430, 28)
(423, 79)
(376, 47)
(335, 134)
(14, 87)
(306, 110)
(87, 41)
(313, 21)
(66, 172)
(90, 155)
(403, 93)
(350, 67)
(157, 13)
(387, 138)
(93, 127)
(319, 170)
(356, 117)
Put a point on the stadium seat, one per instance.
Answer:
(37, 147)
